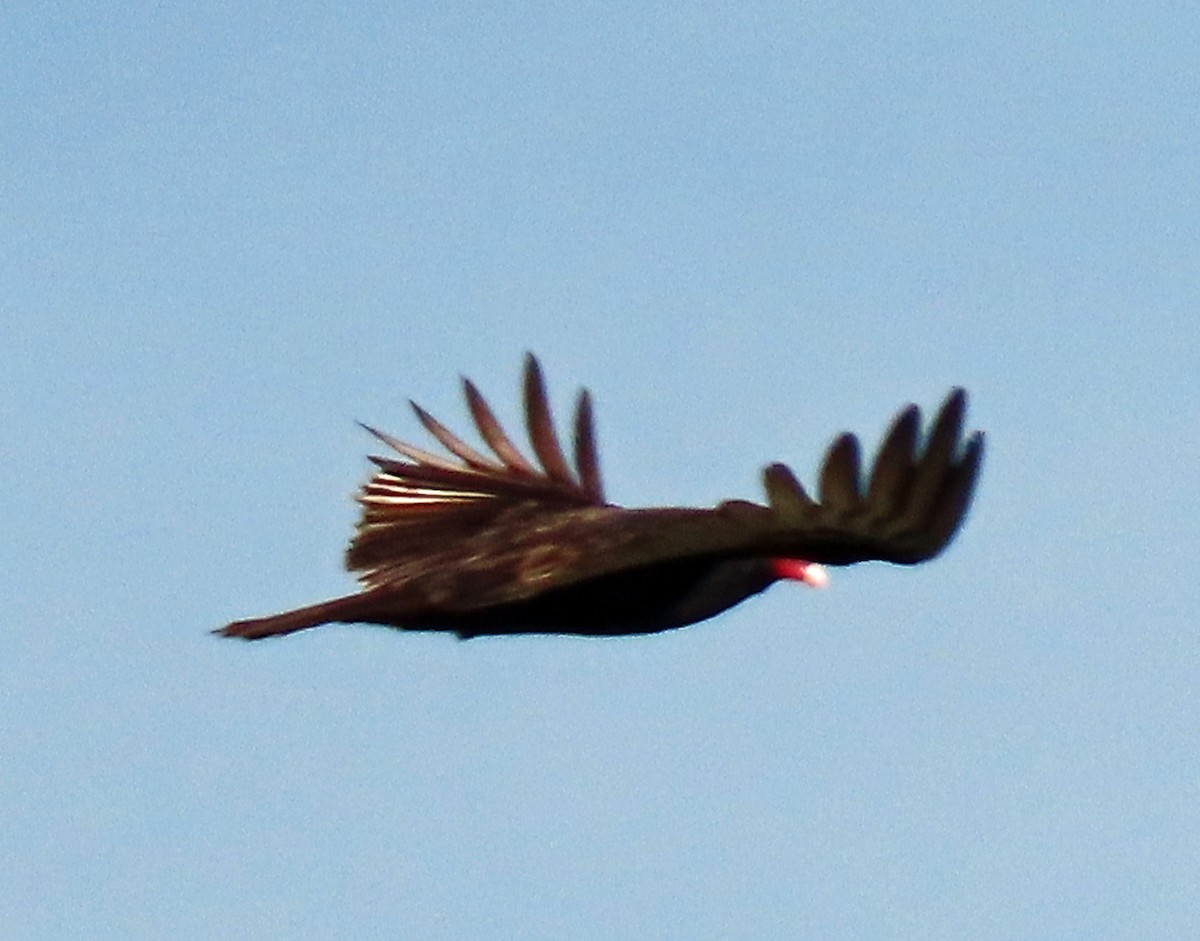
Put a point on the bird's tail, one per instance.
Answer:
(347, 609)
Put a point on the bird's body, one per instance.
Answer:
(483, 545)
(641, 601)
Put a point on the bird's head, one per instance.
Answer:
(812, 574)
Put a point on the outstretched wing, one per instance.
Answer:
(421, 509)
(906, 510)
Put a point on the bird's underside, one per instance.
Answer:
(476, 544)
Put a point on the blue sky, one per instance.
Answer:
(228, 231)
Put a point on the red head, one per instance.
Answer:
(811, 573)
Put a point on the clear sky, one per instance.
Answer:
(229, 230)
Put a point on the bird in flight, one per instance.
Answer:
(476, 544)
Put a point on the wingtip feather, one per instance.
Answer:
(839, 481)
(540, 422)
(493, 433)
(785, 493)
(587, 459)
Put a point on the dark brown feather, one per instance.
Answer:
(893, 471)
(840, 477)
(541, 425)
(587, 459)
(493, 433)
(452, 443)
(786, 494)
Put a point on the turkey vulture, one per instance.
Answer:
(494, 545)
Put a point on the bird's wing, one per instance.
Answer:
(424, 506)
(906, 510)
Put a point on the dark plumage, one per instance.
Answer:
(493, 545)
